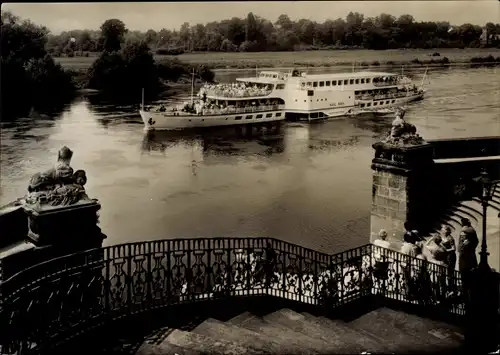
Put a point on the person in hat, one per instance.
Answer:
(467, 245)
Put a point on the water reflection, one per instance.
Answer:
(259, 140)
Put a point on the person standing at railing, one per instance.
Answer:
(467, 245)
(410, 272)
(270, 260)
(381, 263)
(448, 243)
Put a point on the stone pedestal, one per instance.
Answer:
(49, 232)
(72, 227)
(400, 193)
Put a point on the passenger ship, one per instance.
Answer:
(270, 95)
(319, 96)
(249, 100)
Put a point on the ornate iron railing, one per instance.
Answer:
(54, 301)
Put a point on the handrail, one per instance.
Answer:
(233, 94)
(241, 110)
(39, 304)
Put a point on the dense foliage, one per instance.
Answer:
(30, 77)
(258, 34)
(126, 68)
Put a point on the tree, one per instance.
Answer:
(284, 22)
(112, 35)
(185, 35)
(491, 30)
(84, 41)
(251, 28)
(30, 77)
(125, 71)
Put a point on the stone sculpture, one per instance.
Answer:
(402, 132)
(59, 186)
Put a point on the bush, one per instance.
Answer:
(169, 51)
(125, 71)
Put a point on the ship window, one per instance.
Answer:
(321, 83)
(280, 86)
(275, 76)
(309, 83)
(320, 114)
(387, 102)
(393, 101)
(310, 93)
(248, 117)
(259, 116)
(368, 80)
(362, 81)
(357, 81)
(368, 104)
(334, 82)
(269, 115)
(327, 83)
(346, 82)
(238, 117)
(362, 105)
(315, 84)
(278, 114)
(302, 84)
(375, 103)
(351, 81)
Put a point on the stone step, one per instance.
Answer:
(164, 349)
(402, 332)
(290, 341)
(203, 344)
(240, 318)
(445, 333)
(247, 338)
(336, 343)
(364, 339)
(467, 212)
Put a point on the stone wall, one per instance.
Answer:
(409, 186)
(401, 188)
(389, 202)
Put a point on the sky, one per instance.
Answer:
(146, 15)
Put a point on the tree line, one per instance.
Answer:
(31, 79)
(255, 33)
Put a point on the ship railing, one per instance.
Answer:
(229, 110)
(384, 97)
(236, 94)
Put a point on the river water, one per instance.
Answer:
(307, 184)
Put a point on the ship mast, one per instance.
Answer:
(142, 100)
(192, 88)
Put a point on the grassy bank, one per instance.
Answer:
(316, 58)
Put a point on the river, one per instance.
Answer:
(307, 184)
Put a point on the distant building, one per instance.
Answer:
(493, 37)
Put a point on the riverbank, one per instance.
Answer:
(360, 58)
(79, 73)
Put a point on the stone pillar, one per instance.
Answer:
(401, 177)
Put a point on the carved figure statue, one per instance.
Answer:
(58, 186)
(403, 132)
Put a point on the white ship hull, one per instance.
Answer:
(382, 106)
(168, 121)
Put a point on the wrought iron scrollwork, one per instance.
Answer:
(62, 297)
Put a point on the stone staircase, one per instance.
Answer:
(383, 330)
(473, 211)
